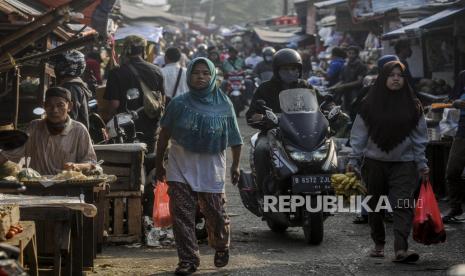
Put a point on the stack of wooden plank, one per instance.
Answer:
(123, 204)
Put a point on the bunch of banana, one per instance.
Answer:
(347, 184)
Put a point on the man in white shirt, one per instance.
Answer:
(173, 74)
(253, 60)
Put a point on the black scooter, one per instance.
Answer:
(303, 157)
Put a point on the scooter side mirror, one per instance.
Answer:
(271, 117)
(132, 94)
(261, 103)
(39, 111)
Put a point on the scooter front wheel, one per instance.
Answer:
(313, 228)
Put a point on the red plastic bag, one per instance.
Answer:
(427, 223)
(161, 206)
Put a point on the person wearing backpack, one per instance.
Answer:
(136, 74)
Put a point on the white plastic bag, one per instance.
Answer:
(449, 123)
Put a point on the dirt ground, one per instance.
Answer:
(255, 250)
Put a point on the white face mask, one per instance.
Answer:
(268, 58)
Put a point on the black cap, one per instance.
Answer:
(58, 92)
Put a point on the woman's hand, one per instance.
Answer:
(424, 174)
(236, 156)
(235, 173)
(160, 173)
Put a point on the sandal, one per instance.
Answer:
(377, 253)
(221, 258)
(406, 257)
(185, 269)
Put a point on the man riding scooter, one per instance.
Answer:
(264, 69)
(287, 70)
(293, 154)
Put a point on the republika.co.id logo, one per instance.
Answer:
(331, 204)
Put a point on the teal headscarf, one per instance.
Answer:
(204, 120)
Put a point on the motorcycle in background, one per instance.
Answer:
(235, 89)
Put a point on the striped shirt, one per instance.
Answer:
(49, 153)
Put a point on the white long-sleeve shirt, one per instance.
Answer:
(170, 74)
(411, 149)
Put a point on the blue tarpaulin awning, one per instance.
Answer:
(424, 23)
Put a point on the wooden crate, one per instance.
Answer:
(126, 165)
(123, 216)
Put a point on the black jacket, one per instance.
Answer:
(269, 92)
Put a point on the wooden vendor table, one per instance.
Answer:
(59, 222)
(89, 193)
(27, 244)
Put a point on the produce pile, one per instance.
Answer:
(70, 175)
(347, 185)
(9, 221)
(10, 171)
(14, 230)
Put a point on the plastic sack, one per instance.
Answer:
(161, 206)
(427, 223)
(450, 121)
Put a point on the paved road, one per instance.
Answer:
(257, 251)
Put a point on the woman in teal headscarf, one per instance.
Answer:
(200, 124)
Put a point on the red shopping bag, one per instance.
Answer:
(427, 223)
(161, 205)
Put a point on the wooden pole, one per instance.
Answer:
(62, 48)
(45, 19)
(17, 81)
(27, 40)
(29, 28)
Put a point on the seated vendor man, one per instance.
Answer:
(57, 142)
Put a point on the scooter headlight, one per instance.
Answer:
(314, 156)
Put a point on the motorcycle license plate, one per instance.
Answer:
(235, 93)
(311, 184)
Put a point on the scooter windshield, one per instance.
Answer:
(298, 100)
(302, 124)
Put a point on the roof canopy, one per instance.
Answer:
(278, 37)
(414, 28)
(135, 12)
(329, 3)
